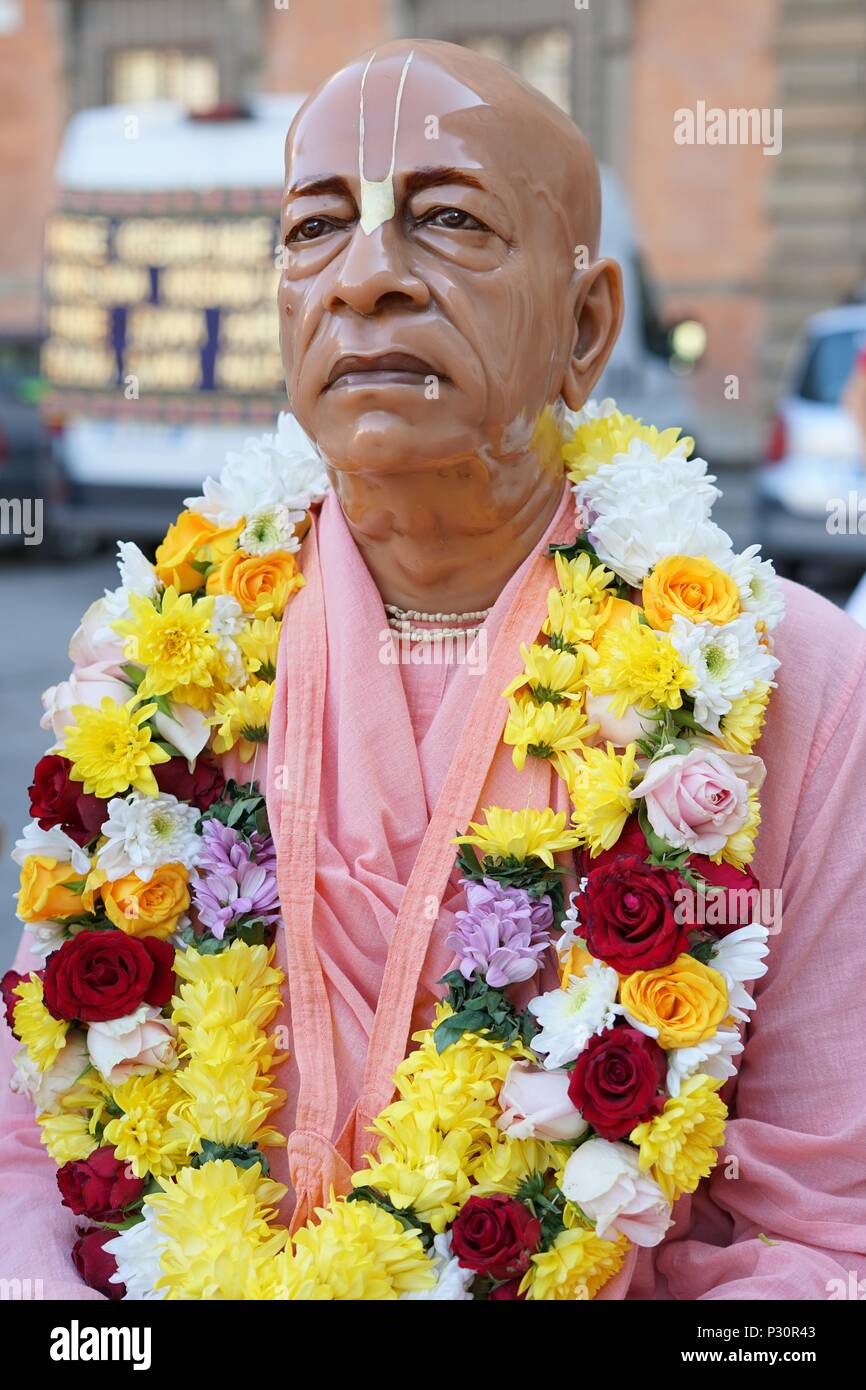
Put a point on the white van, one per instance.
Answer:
(161, 351)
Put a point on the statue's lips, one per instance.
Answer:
(383, 369)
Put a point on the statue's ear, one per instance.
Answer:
(598, 313)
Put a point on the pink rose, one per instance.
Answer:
(612, 729)
(697, 800)
(605, 1181)
(45, 1088)
(123, 1047)
(87, 685)
(94, 642)
(535, 1104)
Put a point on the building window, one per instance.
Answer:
(160, 74)
(542, 58)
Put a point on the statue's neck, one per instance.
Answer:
(447, 540)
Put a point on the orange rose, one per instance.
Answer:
(148, 909)
(686, 1001)
(691, 586)
(193, 538)
(260, 583)
(44, 890)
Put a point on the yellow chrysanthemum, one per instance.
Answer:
(242, 717)
(639, 666)
(356, 1252)
(259, 642)
(520, 835)
(42, 1034)
(507, 1162)
(597, 441)
(741, 726)
(143, 1135)
(679, 1145)
(171, 638)
(220, 1243)
(228, 1103)
(575, 1267)
(552, 674)
(454, 1089)
(541, 731)
(111, 748)
(420, 1168)
(238, 984)
(570, 618)
(600, 784)
(67, 1136)
(739, 849)
(583, 577)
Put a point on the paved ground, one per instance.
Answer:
(42, 602)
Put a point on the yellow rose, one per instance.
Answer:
(193, 537)
(148, 909)
(614, 612)
(260, 583)
(685, 1001)
(44, 890)
(691, 586)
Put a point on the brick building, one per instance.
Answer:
(747, 242)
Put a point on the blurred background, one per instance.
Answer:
(140, 170)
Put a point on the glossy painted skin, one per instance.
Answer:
(426, 357)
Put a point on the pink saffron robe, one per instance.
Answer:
(793, 1166)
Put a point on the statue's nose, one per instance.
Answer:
(374, 272)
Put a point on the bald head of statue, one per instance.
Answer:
(441, 292)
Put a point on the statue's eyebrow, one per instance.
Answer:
(321, 183)
(432, 176)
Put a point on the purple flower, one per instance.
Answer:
(237, 878)
(501, 934)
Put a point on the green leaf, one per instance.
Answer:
(133, 672)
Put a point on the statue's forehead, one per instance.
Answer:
(326, 134)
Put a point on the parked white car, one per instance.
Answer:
(813, 463)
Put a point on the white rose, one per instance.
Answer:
(605, 1181)
(619, 731)
(44, 1088)
(141, 1042)
(535, 1104)
(87, 685)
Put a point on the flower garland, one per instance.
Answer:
(528, 1148)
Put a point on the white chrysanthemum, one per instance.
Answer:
(571, 927)
(145, 832)
(236, 674)
(641, 508)
(228, 617)
(569, 1017)
(591, 410)
(759, 586)
(452, 1279)
(727, 661)
(269, 529)
(711, 1058)
(137, 574)
(282, 468)
(739, 957)
(54, 843)
(138, 1254)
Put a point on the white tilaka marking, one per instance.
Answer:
(377, 195)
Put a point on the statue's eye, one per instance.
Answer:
(454, 220)
(310, 229)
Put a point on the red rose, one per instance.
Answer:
(99, 1187)
(10, 999)
(56, 800)
(98, 975)
(732, 902)
(94, 1263)
(618, 1081)
(506, 1291)
(200, 788)
(495, 1236)
(629, 914)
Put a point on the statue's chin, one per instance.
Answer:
(381, 441)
